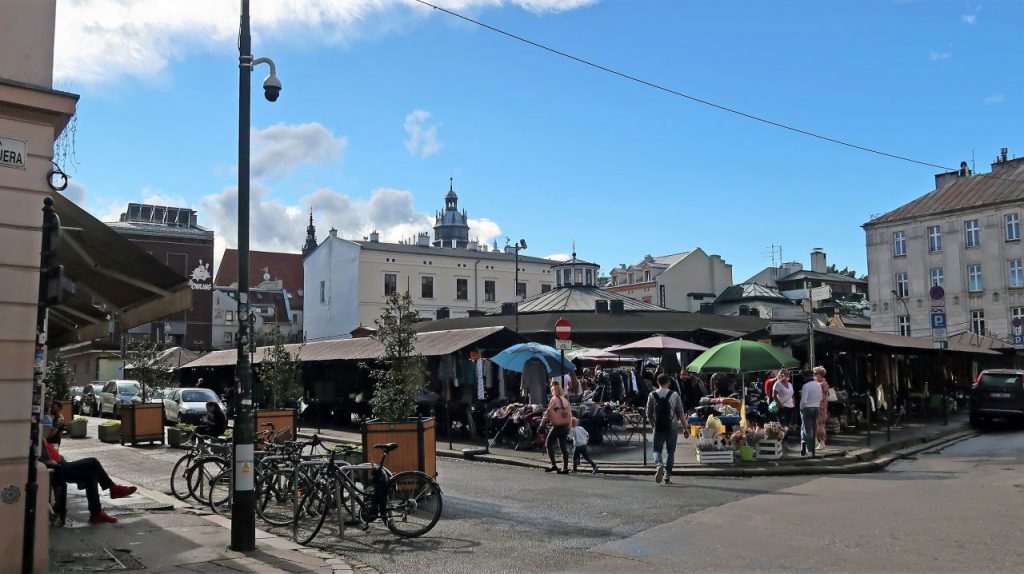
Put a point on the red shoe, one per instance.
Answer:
(121, 491)
(101, 517)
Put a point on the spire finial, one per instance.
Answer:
(451, 183)
(311, 215)
(574, 249)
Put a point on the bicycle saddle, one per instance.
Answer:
(387, 447)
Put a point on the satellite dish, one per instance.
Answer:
(266, 276)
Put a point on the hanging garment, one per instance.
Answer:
(479, 379)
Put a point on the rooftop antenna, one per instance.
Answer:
(972, 162)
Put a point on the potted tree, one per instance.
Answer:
(279, 377)
(144, 421)
(58, 380)
(398, 380)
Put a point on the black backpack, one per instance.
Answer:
(663, 412)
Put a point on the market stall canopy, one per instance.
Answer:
(596, 355)
(655, 345)
(515, 357)
(901, 342)
(434, 343)
(741, 357)
(107, 278)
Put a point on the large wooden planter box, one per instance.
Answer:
(281, 419)
(110, 433)
(65, 411)
(416, 439)
(142, 422)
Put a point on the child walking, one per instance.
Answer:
(579, 437)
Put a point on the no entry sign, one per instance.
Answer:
(563, 329)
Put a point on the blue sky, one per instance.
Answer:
(384, 100)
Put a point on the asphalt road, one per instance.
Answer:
(949, 510)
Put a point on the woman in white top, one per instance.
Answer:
(782, 393)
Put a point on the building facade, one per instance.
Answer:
(277, 294)
(682, 281)
(964, 236)
(173, 236)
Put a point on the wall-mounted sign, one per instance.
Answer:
(12, 153)
(200, 278)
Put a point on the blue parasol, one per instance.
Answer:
(515, 357)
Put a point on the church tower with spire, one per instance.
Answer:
(311, 243)
(451, 228)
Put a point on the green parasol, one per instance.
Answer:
(741, 357)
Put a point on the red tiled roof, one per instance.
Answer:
(284, 266)
(964, 193)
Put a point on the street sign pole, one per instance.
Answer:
(940, 340)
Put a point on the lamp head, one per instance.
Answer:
(522, 244)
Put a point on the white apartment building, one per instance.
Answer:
(346, 283)
(682, 281)
(964, 236)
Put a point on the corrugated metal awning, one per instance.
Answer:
(899, 342)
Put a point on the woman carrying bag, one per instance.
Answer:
(559, 415)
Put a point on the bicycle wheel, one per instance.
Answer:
(275, 495)
(179, 477)
(413, 504)
(313, 507)
(202, 472)
(219, 495)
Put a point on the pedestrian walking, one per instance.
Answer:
(810, 405)
(782, 393)
(819, 376)
(559, 415)
(580, 437)
(665, 411)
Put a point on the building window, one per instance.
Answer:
(229, 316)
(295, 317)
(579, 276)
(566, 277)
(647, 275)
(390, 284)
(1012, 226)
(972, 233)
(462, 289)
(978, 322)
(974, 278)
(229, 337)
(1016, 273)
(937, 277)
(427, 287)
(323, 291)
(545, 287)
(489, 294)
(934, 238)
(902, 285)
(590, 277)
(521, 289)
(899, 243)
(903, 325)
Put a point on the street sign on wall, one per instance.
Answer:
(12, 153)
(563, 344)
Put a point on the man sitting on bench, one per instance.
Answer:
(87, 473)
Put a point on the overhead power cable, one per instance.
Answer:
(696, 99)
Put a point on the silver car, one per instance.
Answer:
(118, 393)
(189, 405)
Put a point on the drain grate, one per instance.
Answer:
(140, 506)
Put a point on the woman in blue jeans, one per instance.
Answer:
(810, 403)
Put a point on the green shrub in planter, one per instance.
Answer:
(179, 435)
(79, 427)
(110, 431)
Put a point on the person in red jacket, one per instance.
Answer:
(87, 473)
(769, 383)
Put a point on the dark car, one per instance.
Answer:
(86, 400)
(998, 393)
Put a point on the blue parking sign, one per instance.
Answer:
(1018, 341)
(938, 320)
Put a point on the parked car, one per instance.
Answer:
(118, 393)
(189, 405)
(87, 403)
(998, 393)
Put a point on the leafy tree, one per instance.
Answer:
(143, 358)
(59, 379)
(402, 372)
(279, 372)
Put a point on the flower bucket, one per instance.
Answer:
(746, 453)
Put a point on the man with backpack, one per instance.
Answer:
(665, 411)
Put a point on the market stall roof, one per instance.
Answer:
(899, 342)
(638, 322)
(578, 298)
(430, 344)
(112, 277)
(977, 340)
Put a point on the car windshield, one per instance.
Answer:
(76, 391)
(128, 388)
(158, 394)
(1000, 380)
(200, 396)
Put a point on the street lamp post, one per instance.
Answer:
(905, 308)
(243, 515)
(515, 288)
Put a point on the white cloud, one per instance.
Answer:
(422, 137)
(101, 40)
(969, 18)
(483, 230)
(558, 257)
(279, 149)
(993, 99)
(933, 55)
(75, 192)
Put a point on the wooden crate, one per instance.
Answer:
(769, 449)
(715, 457)
(416, 438)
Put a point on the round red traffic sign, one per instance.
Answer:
(563, 329)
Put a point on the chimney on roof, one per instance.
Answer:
(1004, 162)
(818, 262)
(509, 308)
(617, 306)
(374, 237)
(601, 306)
(945, 178)
(333, 232)
(423, 239)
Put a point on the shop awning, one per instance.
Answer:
(899, 342)
(432, 344)
(112, 279)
